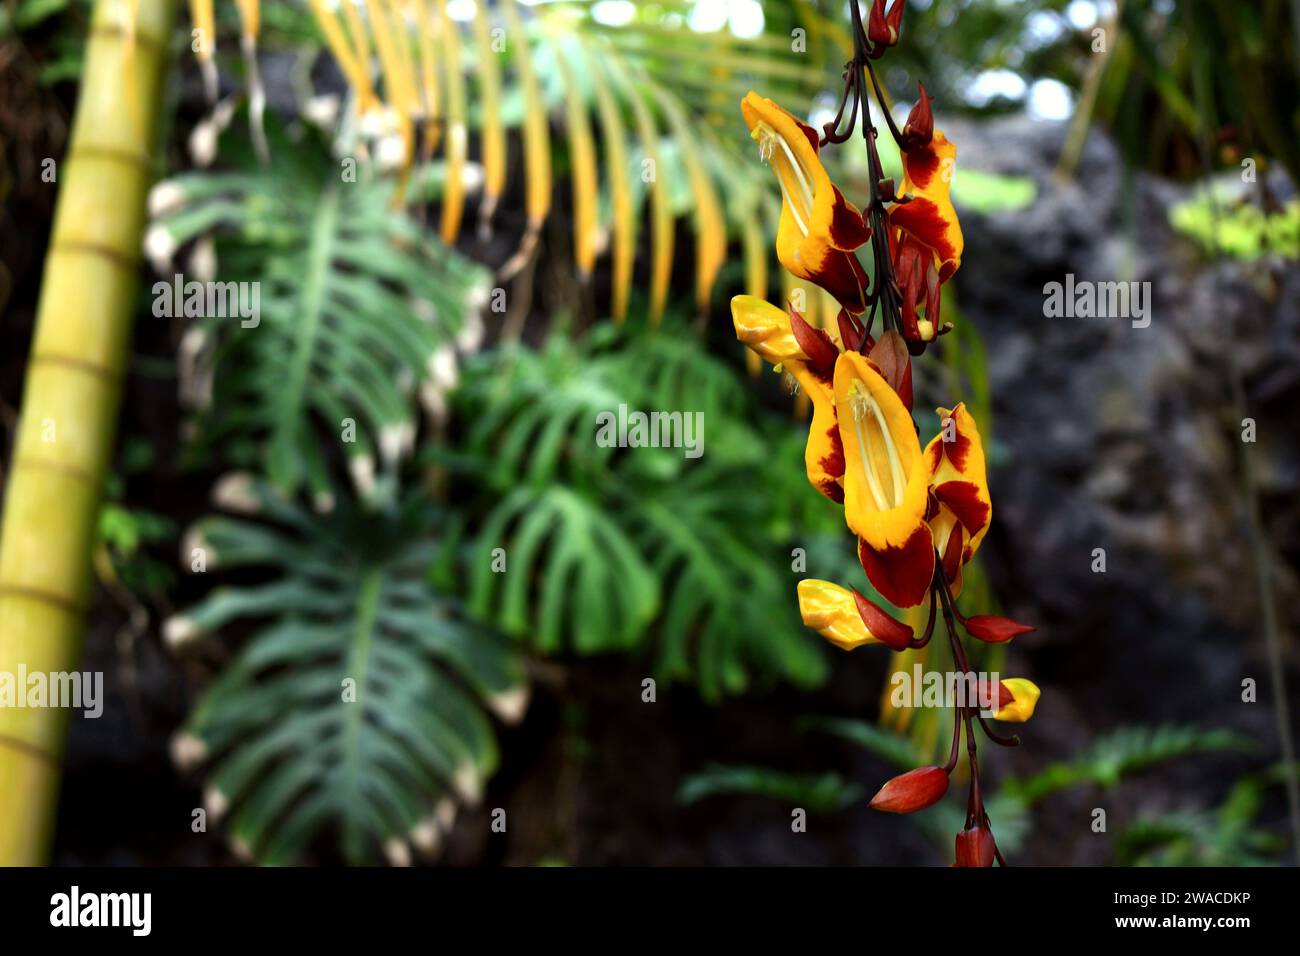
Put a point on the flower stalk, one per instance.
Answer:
(919, 513)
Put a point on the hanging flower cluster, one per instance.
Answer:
(919, 514)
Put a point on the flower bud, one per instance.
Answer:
(975, 846)
(816, 344)
(883, 28)
(995, 630)
(1025, 694)
(883, 627)
(919, 128)
(912, 791)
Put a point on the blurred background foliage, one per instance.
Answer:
(417, 404)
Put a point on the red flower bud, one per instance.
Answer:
(816, 344)
(919, 128)
(995, 630)
(912, 791)
(883, 28)
(850, 330)
(975, 846)
(881, 625)
(895, 365)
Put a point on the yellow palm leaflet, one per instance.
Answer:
(395, 93)
(710, 228)
(397, 20)
(493, 126)
(453, 195)
(661, 218)
(614, 136)
(336, 39)
(361, 46)
(582, 157)
(203, 20)
(429, 87)
(250, 19)
(537, 143)
(754, 241)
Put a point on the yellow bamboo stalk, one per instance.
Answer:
(494, 129)
(70, 400)
(453, 194)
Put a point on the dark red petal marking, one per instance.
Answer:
(847, 228)
(957, 448)
(901, 575)
(963, 498)
(833, 462)
(952, 554)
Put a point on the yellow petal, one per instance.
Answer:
(765, 329)
(1026, 694)
(831, 611)
(885, 478)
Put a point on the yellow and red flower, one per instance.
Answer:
(819, 229)
(960, 508)
(924, 235)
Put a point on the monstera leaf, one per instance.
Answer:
(355, 709)
(359, 308)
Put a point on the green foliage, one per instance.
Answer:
(356, 299)
(1127, 751)
(344, 603)
(818, 793)
(25, 19)
(1239, 229)
(607, 547)
(1227, 836)
(129, 532)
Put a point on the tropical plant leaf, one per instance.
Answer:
(820, 793)
(356, 303)
(357, 703)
